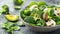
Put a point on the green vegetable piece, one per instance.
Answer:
(10, 27)
(52, 6)
(17, 7)
(56, 18)
(7, 25)
(40, 13)
(12, 17)
(29, 19)
(27, 12)
(51, 12)
(5, 9)
(32, 3)
(22, 14)
(4, 25)
(58, 23)
(34, 11)
(18, 2)
(42, 7)
(40, 22)
(42, 3)
(16, 28)
(8, 30)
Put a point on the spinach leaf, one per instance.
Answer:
(29, 19)
(5, 9)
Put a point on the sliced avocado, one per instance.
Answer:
(12, 17)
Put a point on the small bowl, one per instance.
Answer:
(41, 29)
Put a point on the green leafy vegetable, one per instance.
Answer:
(29, 19)
(18, 2)
(10, 27)
(42, 7)
(40, 22)
(51, 12)
(58, 23)
(5, 9)
(22, 14)
(56, 18)
(27, 12)
(42, 3)
(32, 3)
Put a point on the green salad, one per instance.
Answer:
(41, 14)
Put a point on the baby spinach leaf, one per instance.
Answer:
(29, 19)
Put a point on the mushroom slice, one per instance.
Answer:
(45, 16)
(57, 11)
(33, 7)
(36, 16)
(51, 23)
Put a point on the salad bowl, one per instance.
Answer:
(51, 22)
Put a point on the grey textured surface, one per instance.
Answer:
(24, 30)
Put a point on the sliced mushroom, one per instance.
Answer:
(46, 10)
(36, 16)
(45, 16)
(57, 11)
(33, 7)
(51, 23)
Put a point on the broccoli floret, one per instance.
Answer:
(18, 2)
(24, 13)
(27, 12)
(5, 9)
(29, 19)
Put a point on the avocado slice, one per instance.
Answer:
(12, 17)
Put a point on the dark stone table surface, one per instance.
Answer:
(24, 30)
